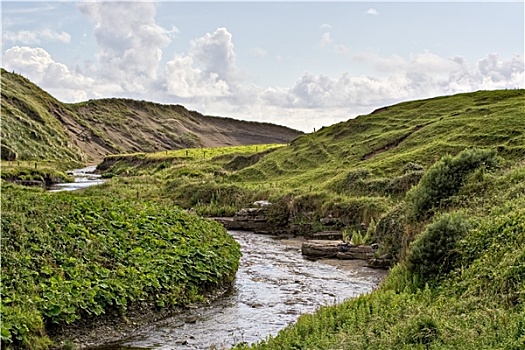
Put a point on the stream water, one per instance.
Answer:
(83, 178)
(274, 286)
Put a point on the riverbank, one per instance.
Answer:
(76, 257)
(273, 287)
(114, 327)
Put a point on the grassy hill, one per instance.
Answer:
(36, 126)
(376, 158)
(439, 183)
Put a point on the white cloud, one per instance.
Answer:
(209, 69)
(325, 40)
(130, 42)
(325, 26)
(372, 12)
(36, 37)
(186, 81)
(421, 75)
(38, 66)
(215, 53)
(258, 52)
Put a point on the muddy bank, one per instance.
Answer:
(275, 284)
(112, 327)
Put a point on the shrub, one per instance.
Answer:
(308, 203)
(445, 178)
(278, 213)
(356, 210)
(403, 183)
(423, 330)
(390, 231)
(433, 253)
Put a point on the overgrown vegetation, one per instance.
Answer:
(461, 286)
(67, 257)
(438, 183)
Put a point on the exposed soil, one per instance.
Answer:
(392, 144)
(114, 326)
(151, 127)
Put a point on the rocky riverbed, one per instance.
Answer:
(275, 284)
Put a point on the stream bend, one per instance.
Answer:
(273, 287)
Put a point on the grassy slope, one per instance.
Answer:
(36, 126)
(378, 156)
(419, 131)
(70, 257)
(29, 129)
(474, 299)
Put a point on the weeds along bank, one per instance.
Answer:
(460, 283)
(442, 179)
(68, 257)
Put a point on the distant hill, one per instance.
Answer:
(36, 126)
(390, 139)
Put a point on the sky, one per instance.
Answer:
(304, 65)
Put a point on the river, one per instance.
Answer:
(83, 178)
(273, 287)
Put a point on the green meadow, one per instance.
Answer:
(439, 183)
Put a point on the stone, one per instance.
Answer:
(262, 204)
(329, 221)
(328, 235)
(321, 248)
(379, 263)
(362, 252)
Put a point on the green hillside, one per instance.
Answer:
(439, 184)
(36, 126)
(30, 130)
(385, 141)
(361, 166)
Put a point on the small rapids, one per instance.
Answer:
(274, 286)
(83, 178)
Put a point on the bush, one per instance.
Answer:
(390, 231)
(433, 253)
(356, 210)
(445, 178)
(403, 183)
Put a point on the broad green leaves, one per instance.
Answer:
(70, 257)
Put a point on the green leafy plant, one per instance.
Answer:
(67, 257)
(434, 252)
(445, 178)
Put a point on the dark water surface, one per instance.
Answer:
(274, 285)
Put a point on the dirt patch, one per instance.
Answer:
(392, 144)
(112, 327)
